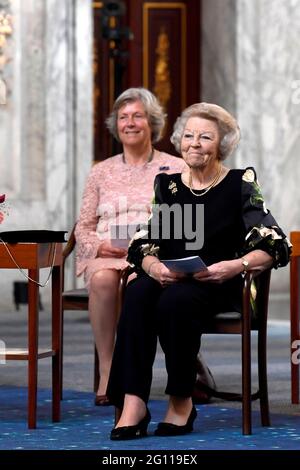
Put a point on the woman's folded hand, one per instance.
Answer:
(220, 272)
(106, 250)
(163, 275)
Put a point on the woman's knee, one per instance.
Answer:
(179, 301)
(140, 299)
(173, 297)
(142, 289)
(104, 280)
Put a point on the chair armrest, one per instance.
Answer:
(262, 284)
(125, 273)
(69, 247)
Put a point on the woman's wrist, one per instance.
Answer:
(99, 249)
(148, 271)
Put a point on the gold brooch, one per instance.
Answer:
(172, 187)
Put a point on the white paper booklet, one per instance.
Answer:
(190, 265)
(120, 235)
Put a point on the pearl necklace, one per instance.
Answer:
(214, 182)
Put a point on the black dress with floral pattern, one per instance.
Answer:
(235, 222)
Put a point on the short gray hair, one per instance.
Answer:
(154, 112)
(227, 125)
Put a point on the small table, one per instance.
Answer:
(33, 257)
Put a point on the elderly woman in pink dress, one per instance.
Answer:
(118, 192)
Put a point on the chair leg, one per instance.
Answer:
(295, 377)
(262, 377)
(62, 355)
(96, 370)
(33, 329)
(246, 373)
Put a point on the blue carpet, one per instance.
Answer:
(85, 427)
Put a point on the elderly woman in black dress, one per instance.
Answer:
(216, 213)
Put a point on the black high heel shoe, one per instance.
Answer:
(170, 429)
(131, 432)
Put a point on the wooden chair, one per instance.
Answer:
(75, 299)
(243, 324)
(295, 314)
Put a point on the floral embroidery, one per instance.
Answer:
(270, 239)
(149, 249)
(265, 232)
(256, 197)
(172, 187)
(139, 234)
(249, 176)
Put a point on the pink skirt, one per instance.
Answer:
(98, 264)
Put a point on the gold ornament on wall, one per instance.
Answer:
(162, 88)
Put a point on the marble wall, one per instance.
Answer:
(46, 125)
(251, 66)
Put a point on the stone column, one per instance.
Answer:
(46, 126)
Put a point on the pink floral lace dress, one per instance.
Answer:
(115, 193)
